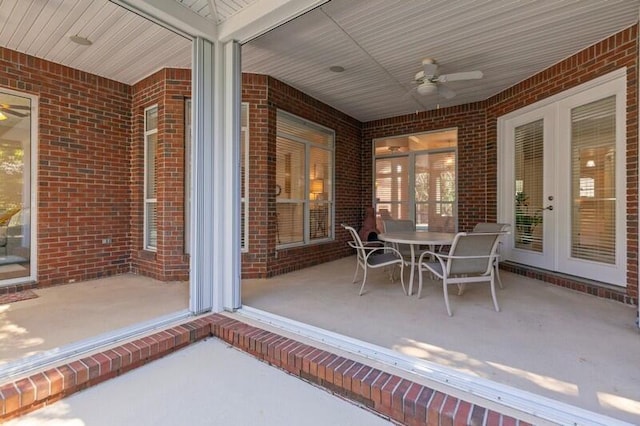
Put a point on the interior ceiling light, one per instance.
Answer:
(336, 68)
(2, 116)
(80, 40)
(427, 88)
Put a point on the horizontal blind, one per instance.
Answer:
(290, 184)
(392, 188)
(528, 200)
(593, 212)
(435, 191)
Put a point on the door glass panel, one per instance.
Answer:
(593, 191)
(392, 189)
(15, 186)
(435, 188)
(529, 186)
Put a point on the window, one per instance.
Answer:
(244, 178)
(18, 156)
(415, 178)
(150, 200)
(304, 181)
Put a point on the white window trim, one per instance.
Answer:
(33, 196)
(411, 156)
(307, 241)
(148, 201)
(244, 245)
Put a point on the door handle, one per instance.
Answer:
(549, 207)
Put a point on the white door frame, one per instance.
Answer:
(559, 106)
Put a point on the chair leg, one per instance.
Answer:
(355, 275)
(419, 282)
(497, 272)
(446, 296)
(364, 280)
(493, 294)
(404, 289)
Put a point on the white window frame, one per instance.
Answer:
(147, 200)
(306, 201)
(244, 201)
(411, 159)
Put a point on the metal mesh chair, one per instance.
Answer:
(374, 256)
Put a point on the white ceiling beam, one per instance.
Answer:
(262, 16)
(172, 15)
(213, 10)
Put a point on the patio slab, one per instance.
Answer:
(548, 340)
(206, 383)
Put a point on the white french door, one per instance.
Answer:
(562, 182)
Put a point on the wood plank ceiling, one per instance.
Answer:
(379, 43)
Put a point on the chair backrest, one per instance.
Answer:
(491, 227)
(395, 225)
(470, 244)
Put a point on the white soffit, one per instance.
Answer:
(381, 44)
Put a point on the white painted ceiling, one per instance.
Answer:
(380, 43)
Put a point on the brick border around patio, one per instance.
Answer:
(399, 399)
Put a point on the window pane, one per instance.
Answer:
(392, 188)
(302, 130)
(15, 186)
(151, 165)
(417, 142)
(593, 213)
(529, 192)
(290, 224)
(151, 119)
(152, 227)
(304, 180)
(435, 191)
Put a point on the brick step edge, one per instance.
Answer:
(399, 399)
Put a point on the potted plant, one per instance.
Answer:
(525, 222)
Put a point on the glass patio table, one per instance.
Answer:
(415, 239)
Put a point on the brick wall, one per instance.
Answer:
(168, 89)
(267, 95)
(83, 170)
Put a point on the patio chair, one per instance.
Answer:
(373, 256)
(470, 260)
(494, 227)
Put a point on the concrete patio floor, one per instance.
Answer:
(65, 314)
(207, 383)
(548, 340)
(551, 341)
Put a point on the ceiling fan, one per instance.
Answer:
(14, 110)
(430, 82)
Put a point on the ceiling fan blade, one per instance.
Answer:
(445, 92)
(17, 114)
(456, 76)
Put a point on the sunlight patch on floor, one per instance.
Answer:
(619, 403)
(458, 360)
(546, 382)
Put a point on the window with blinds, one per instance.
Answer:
(244, 178)
(415, 178)
(150, 200)
(528, 199)
(304, 181)
(593, 191)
